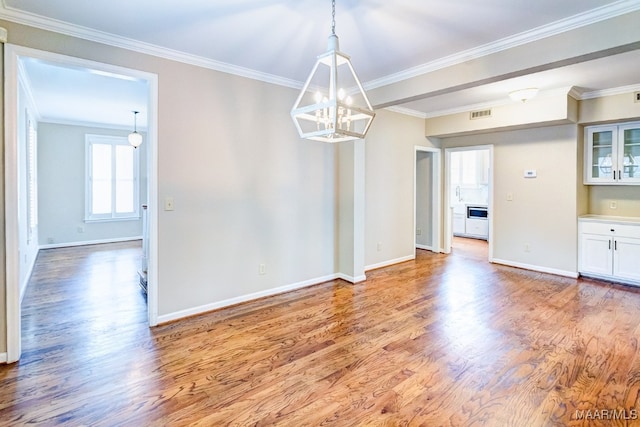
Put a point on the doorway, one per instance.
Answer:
(468, 197)
(427, 197)
(13, 175)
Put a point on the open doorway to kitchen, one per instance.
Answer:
(468, 200)
(21, 72)
(427, 197)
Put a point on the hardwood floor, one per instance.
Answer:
(439, 341)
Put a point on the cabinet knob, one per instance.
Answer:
(613, 230)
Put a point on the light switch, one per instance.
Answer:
(168, 203)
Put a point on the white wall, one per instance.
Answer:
(543, 212)
(389, 164)
(61, 184)
(247, 189)
(350, 194)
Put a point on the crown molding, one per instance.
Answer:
(37, 21)
(573, 22)
(407, 111)
(580, 20)
(610, 92)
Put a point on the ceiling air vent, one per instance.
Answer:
(480, 114)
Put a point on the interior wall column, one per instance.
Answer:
(351, 211)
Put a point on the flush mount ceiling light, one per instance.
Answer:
(135, 138)
(523, 94)
(332, 106)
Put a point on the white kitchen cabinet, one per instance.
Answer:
(458, 224)
(612, 154)
(477, 228)
(609, 248)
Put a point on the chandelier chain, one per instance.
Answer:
(333, 17)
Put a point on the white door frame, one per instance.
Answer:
(448, 224)
(436, 223)
(11, 58)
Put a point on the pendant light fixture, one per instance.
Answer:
(135, 138)
(332, 106)
(523, 94)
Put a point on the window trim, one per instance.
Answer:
(91, 139)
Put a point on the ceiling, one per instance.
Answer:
(278, 41)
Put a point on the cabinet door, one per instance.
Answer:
(477, 228)
(458, 223)
(596, 254)
(626, 259)
(629, 153)
(600, 154)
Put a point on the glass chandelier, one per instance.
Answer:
(332, 106)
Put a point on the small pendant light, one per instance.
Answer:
(135, 138)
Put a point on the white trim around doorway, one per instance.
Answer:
(12, 53)
(448, 226)
(436, 209)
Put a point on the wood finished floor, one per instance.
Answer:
(439, 341)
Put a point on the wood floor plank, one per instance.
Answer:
(445, 340)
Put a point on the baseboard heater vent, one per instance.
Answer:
(480, 114)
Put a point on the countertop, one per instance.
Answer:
(609, 219)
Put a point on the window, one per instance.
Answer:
(112, 179)
(32, 195)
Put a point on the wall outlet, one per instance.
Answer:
(80, 229)
(527, 248)
(49, 240)
(613, 204)
(509, 197)
(636, 97)
(419, 231)
(262, 269)
(379, 246)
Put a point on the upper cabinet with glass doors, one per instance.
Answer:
(612, 154)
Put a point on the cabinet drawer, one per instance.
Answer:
(627, 230)
(595, 227)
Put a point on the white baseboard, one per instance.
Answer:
(572, 274)
(351, 279)
(165, 318)
(27, 277)
(424, 247)
(390, 262)
(3, 357)
(89, 242)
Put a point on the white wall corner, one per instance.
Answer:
(352, 279)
